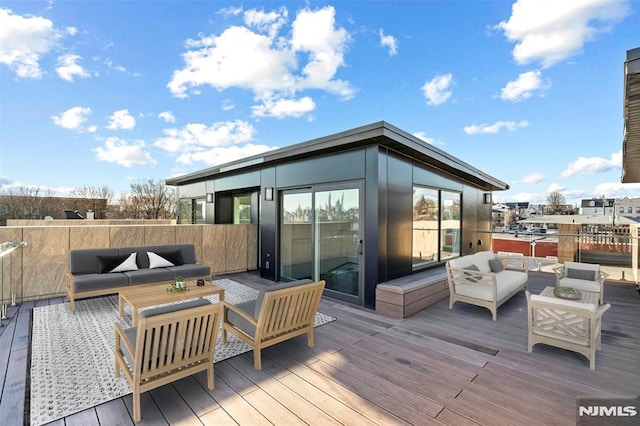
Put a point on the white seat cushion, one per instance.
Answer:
(583, 285)
(506, 281)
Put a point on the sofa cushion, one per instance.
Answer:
(147, 276)
(117, 263)
(507, 282)
(581, 274)
(90, 282)
(142, 258)
(85, 261)
(190, 270)
(187, 251)
(496, 265)
(481, 260)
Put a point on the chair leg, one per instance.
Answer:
(210, 383)
(310, 340)
(257, 358)
(136, 405)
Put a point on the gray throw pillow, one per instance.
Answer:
(581, 274)
(472, 268)
(496, 265)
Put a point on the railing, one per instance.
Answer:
(5, 250)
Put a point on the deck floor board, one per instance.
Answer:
(439, 366)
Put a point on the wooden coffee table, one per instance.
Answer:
(143, 295)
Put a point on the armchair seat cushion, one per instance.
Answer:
(240, 322)
(507, 282)
(578, 284)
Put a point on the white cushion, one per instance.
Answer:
(156, 261)
(128, 265)
(461, 262)
(482, 260)
(506, 282)
(584, 266)
(583, 285)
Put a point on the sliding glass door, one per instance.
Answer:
(320, 237)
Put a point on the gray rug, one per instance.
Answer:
(72, 359)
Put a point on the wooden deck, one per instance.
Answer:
(439, 366)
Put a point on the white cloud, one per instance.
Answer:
(388, 41)
(533, 178)
(593, 165)
(24, 39)
(423, 136)
(282, 108)
(167, 116)
(616, 190)
(256, 57)
(549, 31)
(198, 137)
(121, 120)
(73, 118)
(523, 87)
(494, 128)
(127, 154)
(68, 67)
(437, 90)
(227, 105)
(555, 187)
(109, 63)
(218, 143)
(216, 156)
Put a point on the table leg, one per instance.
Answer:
(120, 306)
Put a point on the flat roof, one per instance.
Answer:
(379, 133)
(631, 136)
(580, 219)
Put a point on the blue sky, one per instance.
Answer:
(96, 93)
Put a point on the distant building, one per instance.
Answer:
(595, 206)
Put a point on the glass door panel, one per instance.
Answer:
(296, 249)
(337, 242)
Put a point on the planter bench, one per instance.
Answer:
(404, 296)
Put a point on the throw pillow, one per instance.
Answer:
(157, 261)
(471, 277)
(496, 265)
(174, 257)
(118, 263)
(581, 274)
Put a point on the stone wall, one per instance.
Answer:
(37, 271)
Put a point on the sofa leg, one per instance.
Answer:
(257, 359)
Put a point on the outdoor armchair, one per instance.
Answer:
(168, 343)
(565, 324)
(280, 312)
(581, 276)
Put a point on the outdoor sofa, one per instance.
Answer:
(102, 271)
(482, 279)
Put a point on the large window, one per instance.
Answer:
(436, 225)
(191, 210)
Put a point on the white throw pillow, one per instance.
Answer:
(128, 265)
(157, 261)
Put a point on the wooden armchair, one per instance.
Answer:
(279, 313)
(169, 343)
(565, 324)
(581, 276)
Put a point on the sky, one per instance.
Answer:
(110, 93)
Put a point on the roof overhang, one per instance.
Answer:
(631, 137)
(380, 133)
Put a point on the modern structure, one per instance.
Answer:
(631, 115)
(355, 208)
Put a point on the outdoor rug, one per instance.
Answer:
(72, 355)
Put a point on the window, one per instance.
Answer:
(621, 210)
(426, 212)
(436, 225)
(630, 209)
(191, 210)
(637, 210)
(242, 209)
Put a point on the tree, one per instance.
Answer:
(148, 200)
(556, 200)
(93, 193)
